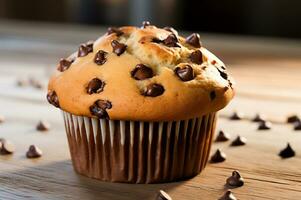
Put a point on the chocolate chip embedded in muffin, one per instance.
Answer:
(153, 90)
(185, 73)
(53, 98)
(99, 108)
(100, 57)
(95, 86)
(142, 72)
(171, 41)
(194, 40)
(118, 48)
(170, 29)
(212, 95)
(145, 24)
(112, 30)
(223, 74)
(64, 65)
(196, 57)
(85, 49)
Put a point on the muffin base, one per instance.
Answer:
(139, 152)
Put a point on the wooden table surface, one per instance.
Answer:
(267, 72)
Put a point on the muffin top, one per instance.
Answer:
(141, 73)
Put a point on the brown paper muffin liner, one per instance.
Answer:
(139, 152)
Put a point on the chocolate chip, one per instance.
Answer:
(218, 157)
(100, 57)
(171, 41)
(264, 125)
(141, 72)
(196, 57)
(212, 95)
(99, 108)
(170, 29)
(145, 24)
(34, 152)
(293, 118)
(287, 152)
(112, 30)
(213, 62)
(163, 196)
(95, 86)
(53, 98)
(297, 126)
(63, 65)
(153, 90)
(228, 196)
(156, 40)
(236, 116)
(222, 137)
(239, 141)
(185, 73)
(194, 40)
(22, 82)
(43, 126)
(235, 180)
(85, 49)
(7, 147)
(258, 118)
(118, 48)
(223, 74)
(2, 119)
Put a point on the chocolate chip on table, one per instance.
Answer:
(100, 57)
(293, 119)
(235, 180)
(118, 48)
(163, 196)
(34, 152)
(264, 125)
(85, 49)
(22, 82)
(212, 95)
(153, 90)
(170, 29)
(228, 196)
(236, 116)
(7, 147)
(141, 72)
(258, 118)
(145, 24)
(99, 108)
(297, 126)
(64, 65)
(239, 141)
(218, 157)
(194, 40)
(196, 57)
(2, 118)
(171, 41)
(287, 152)
(43, 126)
(53, 98)
(95, 86)
(222, 137)
(112, 30)
(185, 73)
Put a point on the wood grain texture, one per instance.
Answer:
(268, 82)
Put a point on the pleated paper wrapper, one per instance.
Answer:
(139, 152)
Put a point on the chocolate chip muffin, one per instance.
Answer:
(140, 104)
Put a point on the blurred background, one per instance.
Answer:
(279, 18)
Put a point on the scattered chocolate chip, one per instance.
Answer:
(293, 119)
(2, 119)
(95, 86)
(222, 137)
(37, 85)
(99, 108)
(218, 157)
(194, 40)
(297, 126)
(53, 98)
(145, 24)
(34, 152)
(236, 116)
(84, 50)
(163, 196)
(212, 95)
(141, 72)
(7, 147)
(258, 118)
(171, 41)
(185, 73)
(170, 29)
(196, 57)
(118, 48)
(63, 65)
(264, 125)
(239, 141)
(22, 82)
(112, 30)
(43, 126)
(153, 90)
(100, 57)
(287, 152)
(228, 196)
(235, 180)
